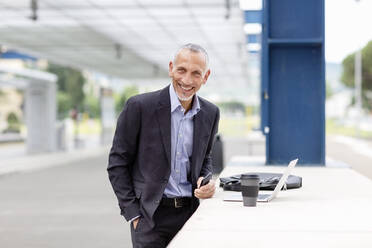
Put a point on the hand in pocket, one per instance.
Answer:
(135, 223)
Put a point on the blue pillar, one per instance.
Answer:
(293, 81)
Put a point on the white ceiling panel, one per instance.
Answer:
(6, 13)
(16, 3)
(113, 3)
(163, 3)
(129, 13)
(63, 4)
(179, 12)
(128, 39)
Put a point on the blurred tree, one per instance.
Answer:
(232, 106)
(3, 97)
(64, 104)
(13, 123)
(347, 77)
(70, 82)
(92, 107)
(329, 91)
(122, 98)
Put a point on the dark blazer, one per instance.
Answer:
(139, 162)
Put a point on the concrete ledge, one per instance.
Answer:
(332, 209)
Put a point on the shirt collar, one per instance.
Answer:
(175, 102)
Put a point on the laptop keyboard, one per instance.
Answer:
(263, 196)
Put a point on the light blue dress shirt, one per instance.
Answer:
(182, 132)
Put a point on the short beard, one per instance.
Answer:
(185, 99)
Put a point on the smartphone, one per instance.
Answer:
(206, 179)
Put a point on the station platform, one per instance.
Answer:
(66, 200)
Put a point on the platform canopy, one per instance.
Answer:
(127, 38)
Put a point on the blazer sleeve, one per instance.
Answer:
(207, 162)
(122, 157)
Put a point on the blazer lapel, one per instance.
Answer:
(164, 120)
(201, 135)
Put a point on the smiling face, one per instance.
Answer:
(188, 72)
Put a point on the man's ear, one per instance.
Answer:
(206, 76)
(170, 72)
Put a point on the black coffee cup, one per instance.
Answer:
(250, 188)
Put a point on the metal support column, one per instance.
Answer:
(293, 81)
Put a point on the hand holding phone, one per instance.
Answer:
(206, 179)
(206, 188)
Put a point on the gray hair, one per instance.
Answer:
(196, 49)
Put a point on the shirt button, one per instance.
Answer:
(177, 171)
(157, 202)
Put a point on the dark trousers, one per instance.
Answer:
(168, 221)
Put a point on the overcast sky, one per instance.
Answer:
(348, 26)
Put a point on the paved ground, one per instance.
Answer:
(11, 150)
(354, 152)
(234, 146)
(65, 206)
(73, 205)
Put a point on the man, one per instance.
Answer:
(162, 150)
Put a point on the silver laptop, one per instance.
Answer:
(237, 196)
